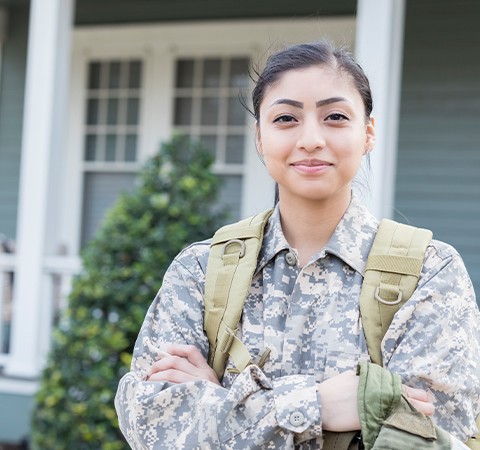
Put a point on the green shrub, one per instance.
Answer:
(123, 266)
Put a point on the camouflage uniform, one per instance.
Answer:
(309, 318)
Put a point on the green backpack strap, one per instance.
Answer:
(391, 275)
(233, 259)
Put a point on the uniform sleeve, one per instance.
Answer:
(434, 341)
(201, 414)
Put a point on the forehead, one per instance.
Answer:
(317, 82)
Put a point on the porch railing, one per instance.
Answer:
(58, 273)
(7, 270)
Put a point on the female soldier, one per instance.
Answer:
(312, 105)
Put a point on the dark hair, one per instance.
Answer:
(306, 55)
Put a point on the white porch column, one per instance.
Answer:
(45, 105)
(379, 49)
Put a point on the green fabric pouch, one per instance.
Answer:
(388, 420)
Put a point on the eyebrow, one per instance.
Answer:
(296, 104)
(330, 100)
(286, 101)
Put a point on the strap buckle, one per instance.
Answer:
(235, 241)
(385, 302)
(226, 341)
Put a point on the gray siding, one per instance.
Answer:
(90, 12)
(15, 411)
(438, 173)
(11, 113)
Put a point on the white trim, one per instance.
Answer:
(14, 386)
(70, 219)
(379, 48)
(117, 166)
(211, 37)
(62, 265)
(47, 63)
(7, 262)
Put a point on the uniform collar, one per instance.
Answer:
(353, 237)
(351, 240)
(274, 240)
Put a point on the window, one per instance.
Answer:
(207, 107)
(111, 136)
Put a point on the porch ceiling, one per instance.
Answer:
(94, 12)
(13, 2)
(91, 12)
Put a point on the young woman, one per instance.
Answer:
(312, 105)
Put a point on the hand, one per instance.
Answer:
(181, 364)
(338, 397)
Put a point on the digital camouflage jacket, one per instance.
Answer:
(309, 318)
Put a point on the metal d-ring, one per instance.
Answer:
(381, 300)
(235, 241)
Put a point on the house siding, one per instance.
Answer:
(438, 181)
(16, 411)
(90, 12)
(11, 113)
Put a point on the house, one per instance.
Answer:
(89, 89)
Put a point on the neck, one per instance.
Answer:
(309, 224)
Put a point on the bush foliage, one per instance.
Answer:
(123, 265)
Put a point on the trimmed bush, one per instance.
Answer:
(123, 265)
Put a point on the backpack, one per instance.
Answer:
(391, 276)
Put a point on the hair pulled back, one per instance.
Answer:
(301, 56)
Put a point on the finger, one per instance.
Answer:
(171, 362)
(161, 354)
(418, 394)
(188, 359)
(426, 408)
(190, 352)
(172, 376)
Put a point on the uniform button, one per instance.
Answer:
(297, 418)
(290, 258)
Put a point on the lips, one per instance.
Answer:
(311, 163)
(311, 166)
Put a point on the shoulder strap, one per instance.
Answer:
(391, 275)
(232, 261)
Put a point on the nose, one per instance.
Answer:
(311, 137)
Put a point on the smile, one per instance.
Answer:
(311, 166)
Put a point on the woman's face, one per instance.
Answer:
(312, 133)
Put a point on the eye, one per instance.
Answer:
(285, 118)
(337, 117)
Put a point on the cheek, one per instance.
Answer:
(271, 145)
(352, 144)
(350, 153)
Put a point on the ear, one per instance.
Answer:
(371, 137)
